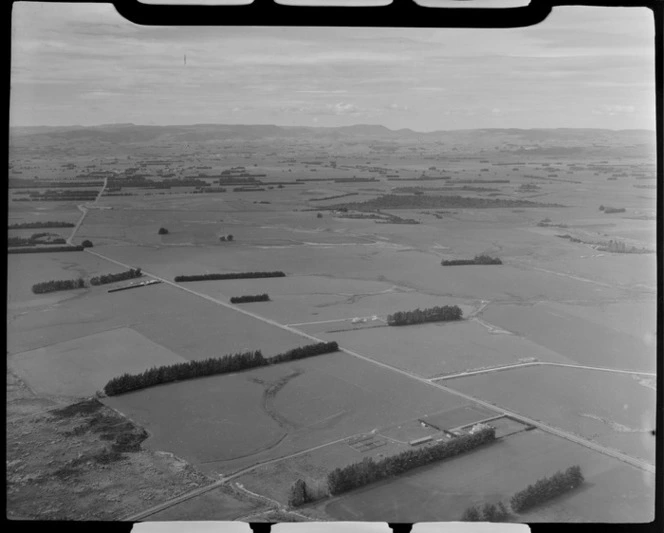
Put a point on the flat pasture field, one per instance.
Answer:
(604, 335)
(615, 410)
(439, 348)
(24, 270)
(183, 323)
(82, 366)
(612, 492)
(43, 212)
(230, 422)
(302, 299)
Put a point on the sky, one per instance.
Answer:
(84, 64)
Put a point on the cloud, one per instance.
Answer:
(397, 107)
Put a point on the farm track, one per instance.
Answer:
(643, 465)
(84, 211)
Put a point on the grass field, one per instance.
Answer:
(83, 366)
(592, 336)
(612, 409)
(189, 326)
(436, 349)
(613, 491)
(237, 420)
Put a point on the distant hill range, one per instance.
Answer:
(507, 139)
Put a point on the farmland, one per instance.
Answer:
(353, 250)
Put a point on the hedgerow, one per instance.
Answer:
(249, 298)
(369, 470)
(477, 260)
(208, 367)
(233, 275)
(46, 249)
(111, 278)
(433, 314)
(35, 225)
(58, 285)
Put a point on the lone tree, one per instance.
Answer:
(319, 215)
(86, 244)
(298, 494)
(229, 238)
(222, 238)
(601, 208)
(163, 231)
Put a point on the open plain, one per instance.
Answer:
(359, 234)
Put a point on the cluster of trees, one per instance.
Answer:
(433, 314)
(87, 244)
(47, 224)
(333, 197)
(44, 249)
(298, 494)
(481, 259)
(58, 285)
(112, 278)
(208, 367)
(489, 513)
(547, 488)
(162, 231)
(225, 238)
(250, 298)
(233, 275)
(369, 470)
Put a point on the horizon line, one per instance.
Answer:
(115, 124)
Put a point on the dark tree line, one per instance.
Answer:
(433, 314)
(111, 278)
(58, 285)
(233, 275)
(249, 298)
(481, 259)
(305, 351)
(370, 470)
(547, 488)
(46, 249)
(35, 225)
(208, 367)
